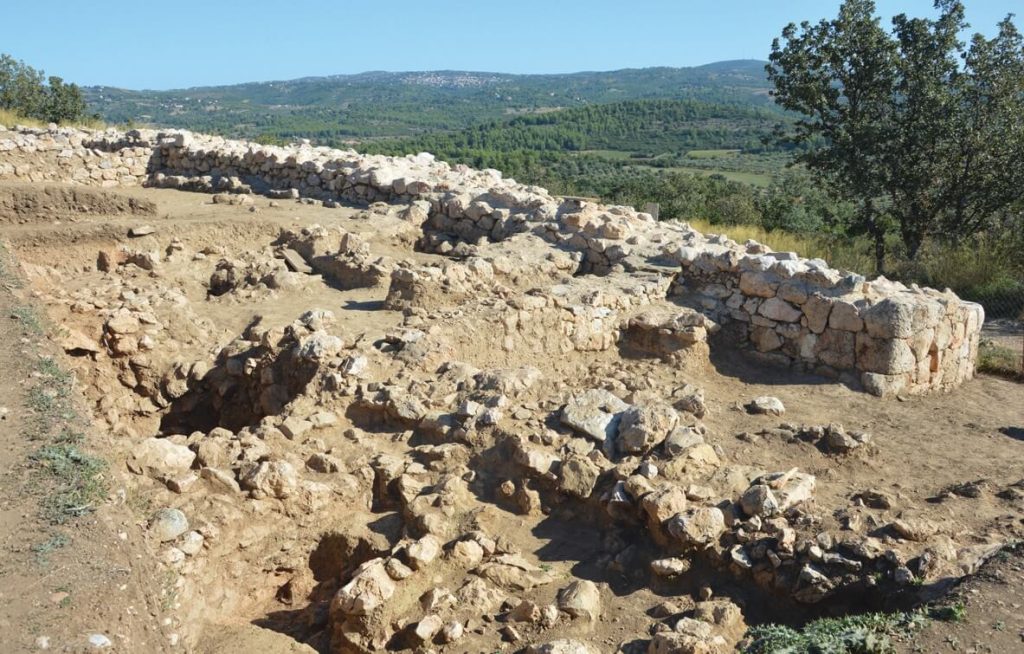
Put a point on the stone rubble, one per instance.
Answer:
(881, 335)
(407, 466)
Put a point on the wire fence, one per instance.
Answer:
(1002, 337)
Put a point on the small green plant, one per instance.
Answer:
(140, 503)
(70, 436)
(50, 545)
(169, 592)
(51, 405)
(78, 481)
(69, 481)
(955, 612)
(28, 319)
(66, 600)
(869, 633)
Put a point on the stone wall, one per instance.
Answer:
(106, 159)
(882, 335)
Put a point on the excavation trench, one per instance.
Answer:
(575, 534)
(322, 428)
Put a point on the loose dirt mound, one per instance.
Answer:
(34, 203)
(336, 442)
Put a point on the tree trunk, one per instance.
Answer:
(912, 228)
(877, 233)
(879, 251)
(912, 241)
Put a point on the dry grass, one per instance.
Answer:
(10, 118)
(777, 240)
(842, 253)
(985, 269)
(1000, 360)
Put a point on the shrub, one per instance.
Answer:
(23, 92)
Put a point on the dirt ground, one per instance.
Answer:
(61, 584)
(254, 586)
(991, 604)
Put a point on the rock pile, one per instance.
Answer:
(385, 478)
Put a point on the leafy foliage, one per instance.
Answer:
(923, 144)
(869, 633)
(77, 479)
(639, 126)
(23, 91)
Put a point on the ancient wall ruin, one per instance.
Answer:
(881, 335)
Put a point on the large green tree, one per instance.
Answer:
(64, 102)
(21, 87)
(918, 129)
(23, 90)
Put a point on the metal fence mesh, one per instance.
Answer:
(1002, 338)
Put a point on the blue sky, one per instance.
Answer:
(160, 45)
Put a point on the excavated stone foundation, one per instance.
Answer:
(406, 406)
(882, 335)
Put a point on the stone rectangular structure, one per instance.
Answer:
(885, 336)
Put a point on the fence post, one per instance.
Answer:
(652, 208)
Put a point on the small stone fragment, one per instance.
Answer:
(758, 500)
(581, 599)
(766, 405)
(698, 527)
(168, 524)
(99, 641)
(423, 551)
(670, 567)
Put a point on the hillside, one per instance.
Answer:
(589, 150)
(375, 104)
(636, 126)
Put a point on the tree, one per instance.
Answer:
(916, 130)
(21, 87)
(22, 90)
(63, 102)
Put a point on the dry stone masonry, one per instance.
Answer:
(881, 335)
(395, 405)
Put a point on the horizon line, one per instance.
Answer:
(410, 72)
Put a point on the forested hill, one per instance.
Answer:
(640, 127)
(382, 104)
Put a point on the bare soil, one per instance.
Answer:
(61, 583)
(260, 585)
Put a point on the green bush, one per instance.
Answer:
(23, 91)
(868, 633)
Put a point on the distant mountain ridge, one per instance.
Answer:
(385, 104)
(752, 69)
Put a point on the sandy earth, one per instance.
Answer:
(920, 448)
(61, 584)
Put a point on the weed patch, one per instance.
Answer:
(1000, 360)
(10, 118)
(28, 319)
(955, 612)
(50, 400)
(869, 633)
(77, 478)
(73, 480)
(50, 545)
